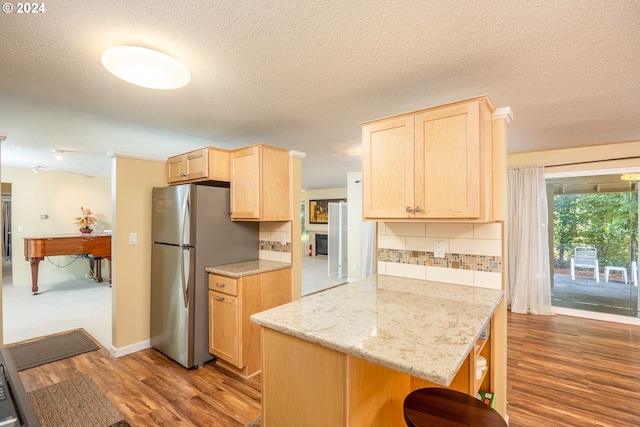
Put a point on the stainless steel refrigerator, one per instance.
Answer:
(191, 230)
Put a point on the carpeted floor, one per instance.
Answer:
(77, 402)
(584, 293)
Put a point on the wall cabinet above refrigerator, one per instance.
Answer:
(206, 164)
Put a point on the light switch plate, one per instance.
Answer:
(133, 238)
(438, 248)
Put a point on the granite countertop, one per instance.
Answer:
(425, 329)
(247, 268)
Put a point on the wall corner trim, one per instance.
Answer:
(505, 113)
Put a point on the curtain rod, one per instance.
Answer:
(592, 161)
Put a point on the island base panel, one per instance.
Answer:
(301, 383)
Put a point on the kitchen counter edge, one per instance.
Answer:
(247, 268)
(292, 322)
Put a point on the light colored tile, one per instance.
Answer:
(409, 271)
(269, 255)
(286, 236)
(405, 229)
(456, 230)
(276, 236)
(450, 275)
(382, 267)
(419, 244)
(391, 242)
(382, 229)
(269, 226)
(285, 257)
(265, 236)
(476, 247)
(487, 279)
(285, 227)
(488, 231)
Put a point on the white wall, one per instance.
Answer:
(354, 227)
(58, 195)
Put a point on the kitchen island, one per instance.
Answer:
(349, 355)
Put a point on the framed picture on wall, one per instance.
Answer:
(319, 210)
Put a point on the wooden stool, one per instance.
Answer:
(441, 407)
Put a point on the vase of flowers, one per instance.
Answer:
(86, 220)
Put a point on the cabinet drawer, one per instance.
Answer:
(227, 285)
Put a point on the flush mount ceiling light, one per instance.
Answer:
(58, 154)
(631, 176)
(145, 67)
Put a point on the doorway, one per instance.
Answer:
(7, 271)
(597, 214)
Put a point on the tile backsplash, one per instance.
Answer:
(275, 241)
(473, 252)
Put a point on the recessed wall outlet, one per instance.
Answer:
(438, 248)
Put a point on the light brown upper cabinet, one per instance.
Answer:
(206, 164)
(260, 184)
(433, 164)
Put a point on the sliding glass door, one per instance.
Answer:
(593, 234)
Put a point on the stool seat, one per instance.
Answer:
(443, 407)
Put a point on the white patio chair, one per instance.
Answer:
(585, 257)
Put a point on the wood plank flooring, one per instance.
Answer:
(562, 371)
(151, 390)
(567, 371)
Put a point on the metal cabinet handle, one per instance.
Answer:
(219, 298)
(220, 285)
(417, 208)
(409, 209)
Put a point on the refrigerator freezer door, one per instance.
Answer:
(172, 215)
(171, 302)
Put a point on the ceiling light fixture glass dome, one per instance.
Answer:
(145, 67)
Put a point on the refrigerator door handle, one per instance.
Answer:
(185, 215)
(185, 280)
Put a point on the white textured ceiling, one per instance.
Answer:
(302, 75)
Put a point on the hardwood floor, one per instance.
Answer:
(151, 390)
(562, 371)
(567, 371)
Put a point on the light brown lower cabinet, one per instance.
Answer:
(233, 339)
(303, 382)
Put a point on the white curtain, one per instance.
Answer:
(368, 249)
(529, 283)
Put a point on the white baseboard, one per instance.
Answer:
(132, 348)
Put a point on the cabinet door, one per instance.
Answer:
(224, 328)
(176, 169)
(387, 168)
(197, 164)
(245, 184)
(447, 162)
